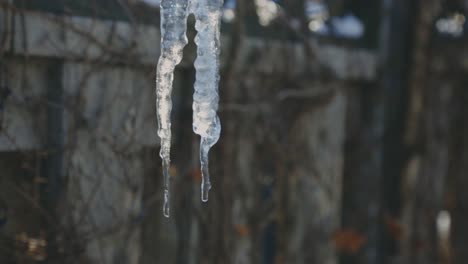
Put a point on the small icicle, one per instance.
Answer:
(205, 99)
(173, 40)
(206, 183)
(167, 185)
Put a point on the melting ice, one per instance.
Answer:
(206, 123)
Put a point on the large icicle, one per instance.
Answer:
(205, 99)
(173, 39)
(205, 120)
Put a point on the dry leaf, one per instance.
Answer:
(196, 175)
(394, 227)
(349, 241)
(242, 230)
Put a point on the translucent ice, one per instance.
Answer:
(206, 123)
(205, 99)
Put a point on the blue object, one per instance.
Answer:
(3, 215)
(4, 94)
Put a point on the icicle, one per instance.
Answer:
(173, 39)
(205, 120)
(205, 99)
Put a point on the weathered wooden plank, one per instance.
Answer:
(80, 38)
(115, 101)
(84, 38)
(23, 109)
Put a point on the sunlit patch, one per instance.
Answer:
(452, 24)
(444, 223)
(316, 25)
(33, 248)
(228, 15)
(317, 14)
(267, 11)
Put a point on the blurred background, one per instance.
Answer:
(344, 135)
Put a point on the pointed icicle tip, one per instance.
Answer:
(166, 207)
(205, 189)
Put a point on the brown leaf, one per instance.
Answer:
(349, 241)
(394, 227)
(196, 175)
(173, 171)
(242, 230)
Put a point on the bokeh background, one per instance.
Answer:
(344, 135)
